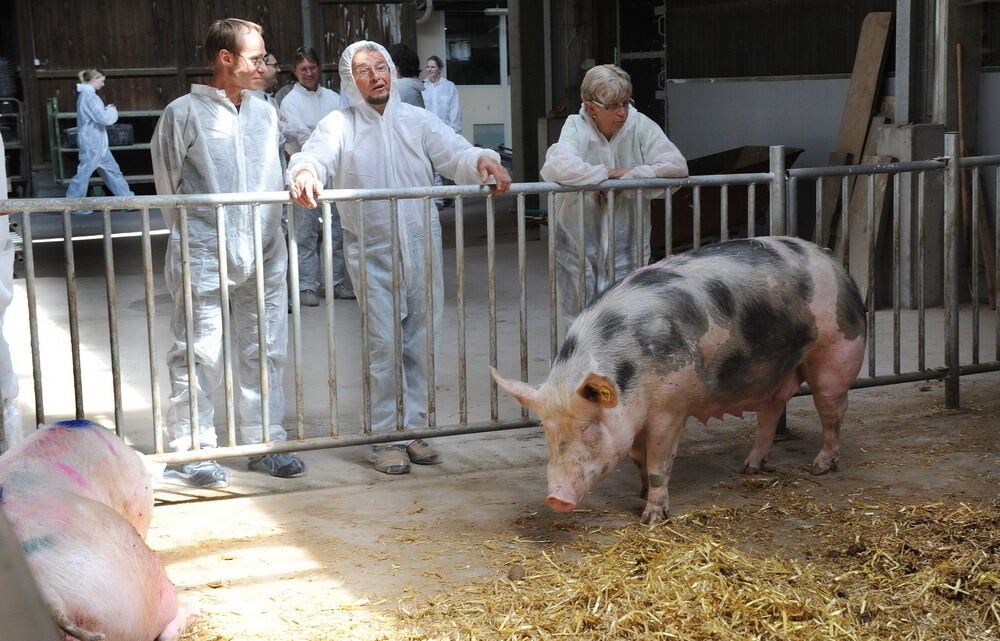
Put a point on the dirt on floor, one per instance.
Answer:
(352, 554)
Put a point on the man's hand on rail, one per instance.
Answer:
(489, 167)
(305, 188)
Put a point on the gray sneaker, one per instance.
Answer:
(343, 291)
(204, 474)
(308, 298)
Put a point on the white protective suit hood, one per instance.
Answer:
(349, 88)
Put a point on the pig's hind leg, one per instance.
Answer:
(768, 417)
(830, 375)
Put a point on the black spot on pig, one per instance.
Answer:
(610, 323)
(721, 297)
(794, 246)
(624, 373)
(653, 278)
(1, 495)
(731, 374)
(567, 349)
(687, 313)
(776, 331)
(850, 307)
(748, 252)
(804, 285)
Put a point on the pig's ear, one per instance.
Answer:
(524, 394)
(599, 390)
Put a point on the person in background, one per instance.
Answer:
(191, 157)
(608, 139)
(408, 74)
(12, 428)
(441, 99)
(382, 142)
(270, 80)
(304, 106)
(92, 120)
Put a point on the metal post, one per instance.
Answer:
(777, 211)
(227, 351)
(331, 346)
(112, 299)
(29, 282)
(952, 194)
(154, 375)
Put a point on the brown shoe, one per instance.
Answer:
(422, 453)
(392, 460)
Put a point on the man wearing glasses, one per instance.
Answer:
(382, 142)
(217, 139)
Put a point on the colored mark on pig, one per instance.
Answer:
(1, 495)
(72, 473)
(77, 424)
(37, 544)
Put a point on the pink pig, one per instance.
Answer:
(732, 327)
(80, 501)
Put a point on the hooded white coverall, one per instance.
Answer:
(8, 379)
(302, 110)
(358, 148)
(441, 99)
(583, 156)
(92, 120)
(204, 145)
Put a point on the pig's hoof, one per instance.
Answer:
(655, 514)
(750, 468)
(822, 467)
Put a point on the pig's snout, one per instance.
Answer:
(559, 504)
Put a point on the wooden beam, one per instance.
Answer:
(866, 78)
(864, 239)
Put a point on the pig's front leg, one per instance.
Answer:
(663, 433)
(767, 423)
(638, 456)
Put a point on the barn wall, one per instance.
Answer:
(152, 50)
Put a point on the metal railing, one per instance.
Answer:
(325, 427)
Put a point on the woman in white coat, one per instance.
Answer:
(608, 139)
(441, 99)
(92, 121)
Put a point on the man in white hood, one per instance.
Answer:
(382, 142)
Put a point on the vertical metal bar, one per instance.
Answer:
(792, 217)
(921, 274)
(668, 223)
(845, 223)
(777, 211)
(189, 338)
(154, 374)
(463, 390)
(553, 301)
(818, 226)
(896, 294)
(870, 291)
(952, 195)
(608, 226)
(751, 210)
(74, 318)
(397, 327)
(262, 348)
(30, 285)
(724, 213)
(996, 267)
(581, 265)
(429, 304)
(696, 221)
(522, 275)
(366, 381)
(639, 242)
(491, 251)
(331, 340)
(112, 299)
(296, 308)
(975, 266)
(227, 347)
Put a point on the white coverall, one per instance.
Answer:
(92, 120)
(583, 156)
(204, 145)
(302, 110)
(441, 99)
(360, 149)
(8, 379)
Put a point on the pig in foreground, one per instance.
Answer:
(732, 327)
(80, 502)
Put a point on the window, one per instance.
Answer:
(476, 47)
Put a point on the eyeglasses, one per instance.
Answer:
(615, 107)
(367, 72)
(256, 61)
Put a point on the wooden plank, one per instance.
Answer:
(866, 78)
(864, 239)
